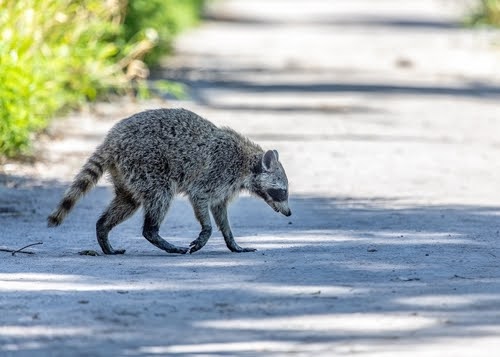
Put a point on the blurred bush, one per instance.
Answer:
(167, 17)
(487, 13)
(57, 54)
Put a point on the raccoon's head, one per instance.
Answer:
(270, 182)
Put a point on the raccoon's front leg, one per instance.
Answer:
(202, 214)
(220, 215)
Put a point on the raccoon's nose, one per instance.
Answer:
(288, 213)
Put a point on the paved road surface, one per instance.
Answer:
(386, 119)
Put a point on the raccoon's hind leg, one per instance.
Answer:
(220, 216)
(201, 212)
(155, 209)
(121, 208)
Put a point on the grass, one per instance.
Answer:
(486, 13)
(57, 54)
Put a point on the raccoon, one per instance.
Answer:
(156, 154)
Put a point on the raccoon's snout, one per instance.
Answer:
(280, 207)
(285, 211)
(279, 201)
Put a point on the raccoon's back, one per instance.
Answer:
(172, 142)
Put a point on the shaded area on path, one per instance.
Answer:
(357, 270)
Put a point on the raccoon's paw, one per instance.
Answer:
(110, 251)
(243, 250)
(194, 247)
(172, 249)
(197, 244)
(179, 250)
(235, 248)
(115, 251)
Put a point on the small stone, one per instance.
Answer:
(404, 62)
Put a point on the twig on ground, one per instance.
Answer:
(21, 249)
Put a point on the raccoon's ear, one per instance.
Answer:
(269, 159)
(277, 155)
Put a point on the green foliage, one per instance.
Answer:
(166, 17)
(53, 54)
(178, 90)
(487, 13)
(57, 54)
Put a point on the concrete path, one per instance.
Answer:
(386, 119)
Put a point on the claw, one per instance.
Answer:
(193, 248)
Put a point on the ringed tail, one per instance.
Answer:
(83, 182)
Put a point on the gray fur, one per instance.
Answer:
(154, 155)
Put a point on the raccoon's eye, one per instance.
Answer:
(278, 194)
